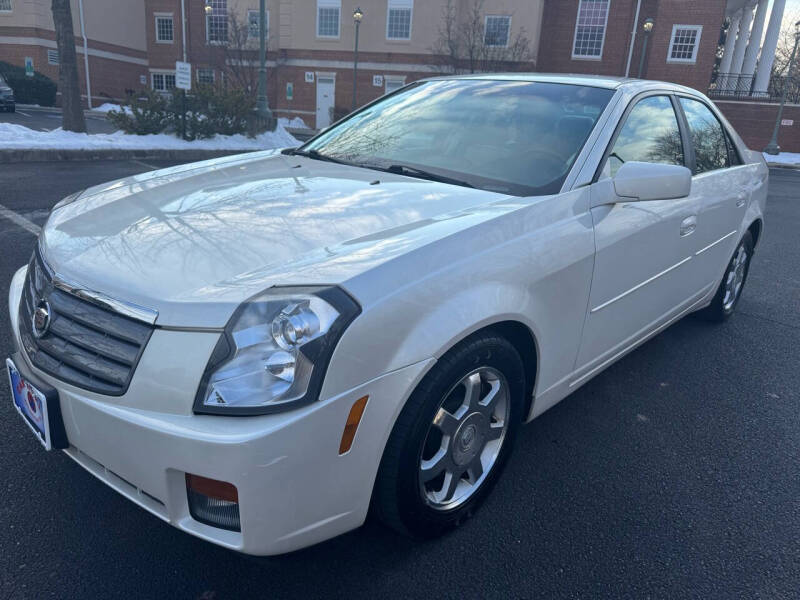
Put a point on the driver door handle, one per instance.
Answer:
(688, 225)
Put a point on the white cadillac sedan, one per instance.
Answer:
(263, 349)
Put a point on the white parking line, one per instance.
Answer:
(24, 114)
(20, 220)
(144, 164)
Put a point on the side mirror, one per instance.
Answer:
(641, 181)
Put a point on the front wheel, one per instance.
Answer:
(732, 284)
(452, 438)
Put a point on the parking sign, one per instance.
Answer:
(183, 75)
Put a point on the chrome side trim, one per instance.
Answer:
(712, 244)
(641, 285)
(126, 309)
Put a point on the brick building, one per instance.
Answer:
(115, 42)
(597, 36)
(133, 44)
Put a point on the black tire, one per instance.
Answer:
(398, 500)
(719, 310)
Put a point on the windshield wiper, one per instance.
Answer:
(421, 174)
(316, 155)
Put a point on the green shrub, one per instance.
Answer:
(211, 111)
(147, 112)
(203, 113)
(38, 89)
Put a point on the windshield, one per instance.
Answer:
(513, 137)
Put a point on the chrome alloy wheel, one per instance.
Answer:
(464, 439)
(734, 280)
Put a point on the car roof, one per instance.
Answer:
(601, 81)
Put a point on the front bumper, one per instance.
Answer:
(6, 101)
(294, 487)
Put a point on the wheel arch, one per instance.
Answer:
(755, 229)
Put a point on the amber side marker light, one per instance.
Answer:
(213, 502)
(351, 426)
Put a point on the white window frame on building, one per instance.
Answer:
(6, 3)
(53, 57)
(162, 75)
(393, 82)
(590, 21)
(698, 31)
(165, 17)
(507, 19)
(328, 5)
(397, 7)
(219, 14)
(254, 34)
(201, 74)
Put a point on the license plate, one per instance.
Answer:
(31, 404)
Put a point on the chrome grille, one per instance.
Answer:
(85, 344)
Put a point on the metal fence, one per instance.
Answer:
(740, 87)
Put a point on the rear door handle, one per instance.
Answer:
(688, 225)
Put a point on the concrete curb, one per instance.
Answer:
(52, 155)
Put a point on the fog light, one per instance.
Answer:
(213, 502)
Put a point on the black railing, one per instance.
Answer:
(741, 87)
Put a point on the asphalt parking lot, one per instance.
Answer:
(47, 119)
(674, 474)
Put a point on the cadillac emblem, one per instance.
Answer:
(41, 318)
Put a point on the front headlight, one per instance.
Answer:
(275, 350)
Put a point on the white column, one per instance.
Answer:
(741, 41)
(770, 45)
(751, 56)
(730, 42)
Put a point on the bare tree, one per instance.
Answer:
(71, 108)
(461, 45)
(783, 52)
(238, 57)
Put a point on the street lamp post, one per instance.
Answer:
(262, 106)
(772, 147)
(648, 27)
(357, 16)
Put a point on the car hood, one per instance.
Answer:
(192, 242)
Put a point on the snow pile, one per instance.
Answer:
(789, 159)
(108, 107)
(297, 123)
(19, 137)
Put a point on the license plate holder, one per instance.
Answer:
(38, 406)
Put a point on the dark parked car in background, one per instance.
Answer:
(7, 101)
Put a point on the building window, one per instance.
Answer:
(52, 57)
(328, 18)
(165, 31)
(398, 19)
(205, 75)
(253, 25)
(5, 6)
(163, 82)
(217, 22)
(685, 41)
(590, 29)
(496, 30)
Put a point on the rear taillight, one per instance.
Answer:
(213, 502)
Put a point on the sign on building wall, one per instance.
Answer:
(143, 79)
(787, 122)
(289, 90)
(29, 66)
(377, 80)
(183, 75)
(309, 76)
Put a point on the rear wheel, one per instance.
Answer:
(452, 438)
(730, 288)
